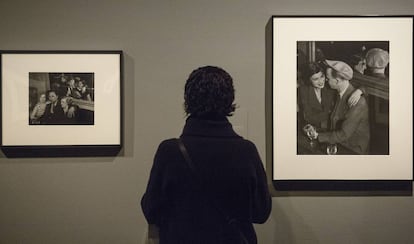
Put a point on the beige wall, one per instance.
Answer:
(96, 200)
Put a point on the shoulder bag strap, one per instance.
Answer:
(186, 156)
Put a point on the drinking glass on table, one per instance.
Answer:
(331, 149)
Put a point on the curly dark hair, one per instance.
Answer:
(209, 92)
(310, 69)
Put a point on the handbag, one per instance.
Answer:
(233, 222)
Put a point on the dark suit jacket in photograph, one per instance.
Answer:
(349, 125)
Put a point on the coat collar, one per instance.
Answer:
(208, 128)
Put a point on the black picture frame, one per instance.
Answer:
(304, 179)
(89, 131)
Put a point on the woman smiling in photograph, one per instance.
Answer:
(315, 99)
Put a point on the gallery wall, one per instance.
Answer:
(96, 200)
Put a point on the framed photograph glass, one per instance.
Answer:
(61, 103)
(348, 118)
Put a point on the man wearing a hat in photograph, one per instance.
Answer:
(377, 61)
(349, 125)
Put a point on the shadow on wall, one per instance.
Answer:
(129, 106)
(268, 102)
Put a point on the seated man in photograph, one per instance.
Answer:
(54, 111)
(349, 125)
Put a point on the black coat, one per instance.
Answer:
(232, 173)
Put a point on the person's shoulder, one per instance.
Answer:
(362, 105)
(167, 149)
(303, 91)
(167, 144)
(249, 145)
(362, 101)
(250, 152)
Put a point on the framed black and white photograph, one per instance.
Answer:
(352, 101)
(61, 103)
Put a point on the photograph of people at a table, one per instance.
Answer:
(61, 98)
(343, 97)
